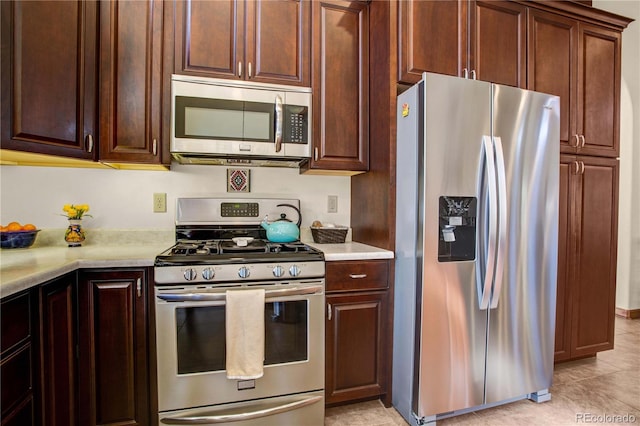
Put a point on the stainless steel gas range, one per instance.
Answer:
(220, 247)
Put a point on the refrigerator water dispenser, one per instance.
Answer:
(457, 229)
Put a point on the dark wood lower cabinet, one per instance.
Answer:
(18, 366)
(58, 351)
(587, 256)
(113, 346)
(354, 346)
(357, 331)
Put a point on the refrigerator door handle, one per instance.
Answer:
(485, 292)
(502, 221)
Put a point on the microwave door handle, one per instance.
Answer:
(279, 119)
(294, 404)
(221, 296)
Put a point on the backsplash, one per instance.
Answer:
(123, 199)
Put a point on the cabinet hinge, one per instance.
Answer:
(139, 287)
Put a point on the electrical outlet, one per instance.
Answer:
(332, 204)
(160, 202)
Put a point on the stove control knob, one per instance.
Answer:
(208, 273)
(278, 271)
(294, 271)
(190, 274)
(244, 272)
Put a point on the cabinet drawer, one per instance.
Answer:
(357, 275)
(16, 378)
(16, 321)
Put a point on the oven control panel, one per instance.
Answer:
(245, 272)
(239, 210)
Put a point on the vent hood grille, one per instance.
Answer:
(227, 160)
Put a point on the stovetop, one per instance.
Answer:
(220, 241)
(219, 252)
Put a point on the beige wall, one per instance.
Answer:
(123, 199)
(628, 285)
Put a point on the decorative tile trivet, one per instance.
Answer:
(238, 180)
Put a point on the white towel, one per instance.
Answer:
(245, 334)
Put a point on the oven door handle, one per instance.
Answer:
(221, 297)
(249, 415)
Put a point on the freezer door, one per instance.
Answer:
(451, 338)
(522, 320)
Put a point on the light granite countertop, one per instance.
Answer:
(351, 250)
(49, 258)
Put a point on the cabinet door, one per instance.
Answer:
(113, 332)
(49, 77)
(569, 168)
(18, 370)
(278, 41)
(209, 38)
(498, 49)
(593, 292)
(432, 38)
(58, 341)
(599, 91)
(552, 67)
(340, 85)
(130, 82)
(355, 343)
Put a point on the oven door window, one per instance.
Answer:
(201, 336)
(220, 119)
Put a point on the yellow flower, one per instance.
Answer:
(75, 211)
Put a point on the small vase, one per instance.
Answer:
(74, 235)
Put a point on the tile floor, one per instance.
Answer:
(608, 384)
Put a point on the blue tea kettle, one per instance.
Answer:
(283, 230)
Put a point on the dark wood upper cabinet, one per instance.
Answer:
(432, 37)
(485, 40)
(498, 42)
(49, 77)
(131, 98)
(553, 63)
(340, 86)
(263, 41)
(598, 122)
(580, 63)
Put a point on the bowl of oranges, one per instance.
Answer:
(15, 235)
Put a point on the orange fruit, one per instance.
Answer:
(14, 226)
(3, 229)
(28, 227)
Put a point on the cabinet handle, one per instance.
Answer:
(89, 142)
(155, 146)
(357, 276)
(315, 153)
(465, 73)
(473, 74)
(249, 70)
(577, 138)
(582, 167)
(240, 69)
(582, 141)
(329, 311)
(139, 287)
(575, 163)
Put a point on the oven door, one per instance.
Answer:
(190, 334)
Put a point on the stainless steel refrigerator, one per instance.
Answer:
(476, 246)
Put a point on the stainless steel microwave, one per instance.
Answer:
(216, 121)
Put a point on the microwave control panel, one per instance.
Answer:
(296, 123)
